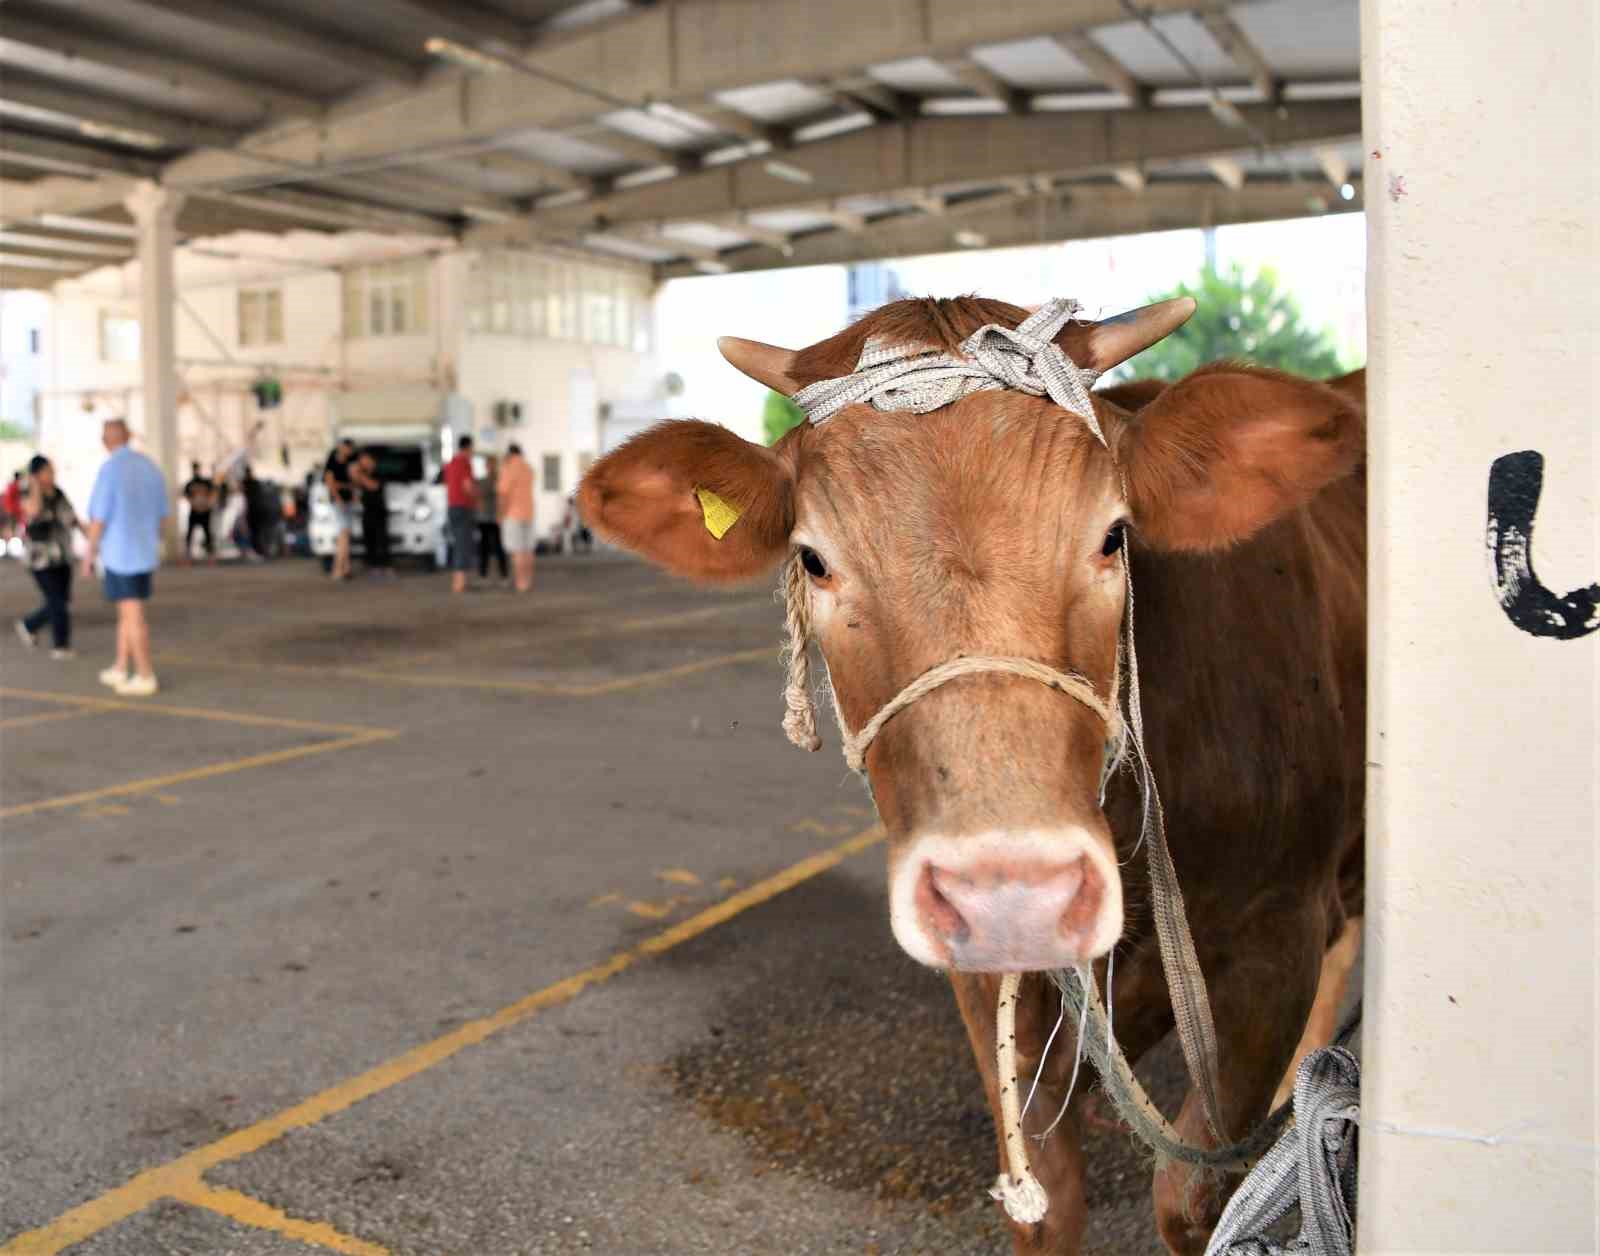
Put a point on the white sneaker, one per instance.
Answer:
(60, 655)
(113, 676)
(137, 687)
(26, 637)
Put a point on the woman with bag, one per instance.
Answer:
(49, 520)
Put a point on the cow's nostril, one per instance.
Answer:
(1081, 917)
(940, 916)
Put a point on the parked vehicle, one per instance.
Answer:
(407, 433)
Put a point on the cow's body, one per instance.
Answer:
(1253, 663)
(994, 526)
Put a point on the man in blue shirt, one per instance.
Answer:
(126, 508)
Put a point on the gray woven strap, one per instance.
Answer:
(906, 377)
(1313, 1166)
(1186, 983)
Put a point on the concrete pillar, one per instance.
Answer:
(155, 212)
(1483, 199)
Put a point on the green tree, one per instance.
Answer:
(778, 416)
(1242, 317)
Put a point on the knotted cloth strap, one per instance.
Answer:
(908, 377)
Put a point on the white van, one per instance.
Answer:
(408, 432)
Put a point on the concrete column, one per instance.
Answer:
(1483, 203)
(155, 212)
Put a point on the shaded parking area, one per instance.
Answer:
(496, 925)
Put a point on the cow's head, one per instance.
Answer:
(996, 526)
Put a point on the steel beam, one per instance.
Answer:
(1074, 213)
(286, 33)
(120, 115)
(167, 70)
(932, 152)
(37, 152)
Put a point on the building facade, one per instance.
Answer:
(277, 335)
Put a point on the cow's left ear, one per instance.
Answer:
(1227, 450)
(696, 499)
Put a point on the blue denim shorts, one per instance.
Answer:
(127, 588)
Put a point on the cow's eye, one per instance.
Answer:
(1113, 541)
(812, 562)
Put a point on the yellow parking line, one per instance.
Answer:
(667, 673)
(178, 1175)
(151, 783)
(237, 1206)
(190, 713)
(552, 688)
(23, 721)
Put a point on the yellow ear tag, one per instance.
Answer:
(720, 514)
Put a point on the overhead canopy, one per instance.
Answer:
(700, 136)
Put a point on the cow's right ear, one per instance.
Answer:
(695, 499)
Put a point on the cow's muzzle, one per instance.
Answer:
(1007, 901)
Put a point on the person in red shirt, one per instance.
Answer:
(11, 507)
(461, 501)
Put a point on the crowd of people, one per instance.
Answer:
(490, 522)
(489, 519)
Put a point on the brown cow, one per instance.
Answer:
(998, 525)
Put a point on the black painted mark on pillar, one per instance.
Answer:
(1514, 484)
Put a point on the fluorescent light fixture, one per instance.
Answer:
(1225, 111)
(792, 174)
(968, 239)
(467, 58)
(121, 135)
(708, 267)
(481, 213)
(1347, 191)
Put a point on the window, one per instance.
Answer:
(511, 293)
(552, 473)
(389, 299)
(119, 337)
(260, 316)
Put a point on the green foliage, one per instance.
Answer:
(14, 431)
(1241, 317)
(778, 416)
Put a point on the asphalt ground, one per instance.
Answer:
(409, 924)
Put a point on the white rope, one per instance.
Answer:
(1018, 1190)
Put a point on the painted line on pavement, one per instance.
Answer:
(548, 688)
(152, 783)
(190, 713)
(237, 1206)
(46, 717)
(180, 1175)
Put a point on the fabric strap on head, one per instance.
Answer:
(908, 377)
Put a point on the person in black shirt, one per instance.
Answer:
(374, 513)
(200, 493)
(336, 475)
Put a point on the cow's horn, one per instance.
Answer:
(1116, 339)
(766, 364)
